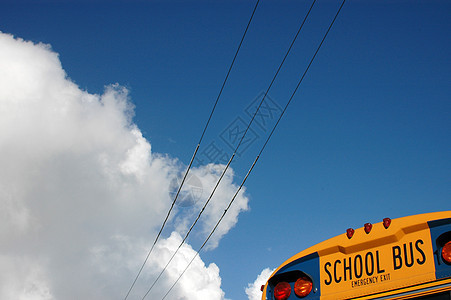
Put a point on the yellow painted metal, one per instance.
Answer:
(383, 260)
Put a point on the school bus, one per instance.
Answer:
(404, 258)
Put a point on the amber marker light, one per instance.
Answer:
(446, 252)
(303, 286)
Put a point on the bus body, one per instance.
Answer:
(405, 258)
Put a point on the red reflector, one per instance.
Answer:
(368, 227)
(349, 232)
(282, 291)
(387, 222)
(446, 252)
(303, 286)
(262, 287)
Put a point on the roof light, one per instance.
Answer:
(367, 227)
(303, 286)
(349, 232)
(386, 222)
(282, 291)
(446, 252)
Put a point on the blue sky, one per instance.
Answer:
(366, 136)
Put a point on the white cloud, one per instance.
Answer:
(25, 279)
(218, 203)
(253, 290)
(199, 281)
(82, 195)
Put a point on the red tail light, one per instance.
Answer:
(349, 232)
(386, 222)
(282, 291)
(446, 252)
(303, 286)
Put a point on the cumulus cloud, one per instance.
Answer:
(82, 195)
(200, 282)
(253, 290)
(215, 209)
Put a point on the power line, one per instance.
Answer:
(189, 231)
(214, 229)
(195, 151)
(235, 151)
(261, 151)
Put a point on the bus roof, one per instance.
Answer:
(361, 240)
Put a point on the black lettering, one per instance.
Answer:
(369, 264)
(379, 270)
(385, 277)
(358, 268)
(327, 282)
(406, 255)
(397, 257)
(347, 268)
(337, 280)
(421, 252)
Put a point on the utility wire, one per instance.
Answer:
(189, 231)
(261, 151)
(234, 153)
(195, 151)
(214, 229)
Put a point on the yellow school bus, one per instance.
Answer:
(405, 258)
